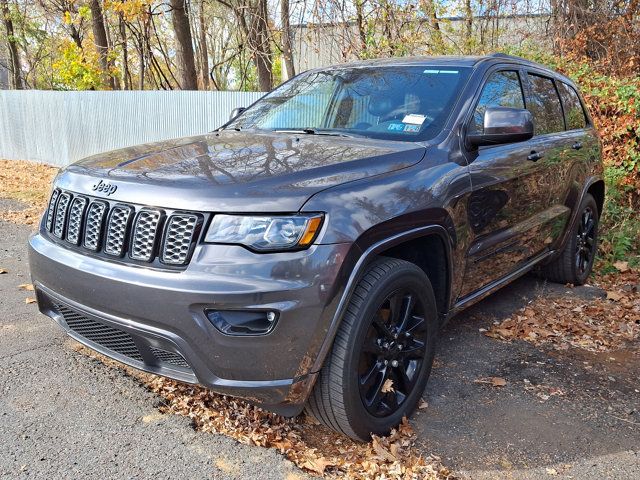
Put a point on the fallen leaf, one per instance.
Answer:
(494, 381)
(552, 471)
(29, 300)
(387, 386)
(381, 451)
(498, 382)
(2, 270)
(422, 405)
(317, 465)
(621, 266)
(615, 296)
(26, 286)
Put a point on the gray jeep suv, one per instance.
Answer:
(307, 253)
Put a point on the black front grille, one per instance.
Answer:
(103, 335)
(123, 231)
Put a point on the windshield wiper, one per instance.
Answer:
(312, 131)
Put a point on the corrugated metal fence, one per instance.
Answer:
(61, 127)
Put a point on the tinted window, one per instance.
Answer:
(545, 105)
(501, 90)
(395, 103)
(573, 112)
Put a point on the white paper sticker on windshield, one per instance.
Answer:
(414, 119)
(441, 71)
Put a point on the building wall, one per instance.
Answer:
(317, 46)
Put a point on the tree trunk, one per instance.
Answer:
(125, 53)
(286, 39)
(204, 49)
(12, 44)
(436, 35)
(360, 22)
(184, 45)
(261, 46)
(100, 39)
(468, 13)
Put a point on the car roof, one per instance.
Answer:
(450, 60)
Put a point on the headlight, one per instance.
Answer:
(265, 233)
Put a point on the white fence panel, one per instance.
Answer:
(61, 127)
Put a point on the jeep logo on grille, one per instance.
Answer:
(106, 188)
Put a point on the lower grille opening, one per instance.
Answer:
(171, 358)
(103, 335)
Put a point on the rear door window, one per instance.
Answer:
(501, 90)
(545, 105)
(573, 111)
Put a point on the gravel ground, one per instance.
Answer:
(64, 415)
(592, 431)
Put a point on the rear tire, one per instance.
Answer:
(387, 337)
(575, 262)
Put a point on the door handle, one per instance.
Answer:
(535, 156)
(576, 146)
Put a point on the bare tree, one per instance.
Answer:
(184, 43)
(12, 44)
(287, 51)
(204, 50)
(468, 32)
(102, 44)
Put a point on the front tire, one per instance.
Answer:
(382, 354)
(575, 262)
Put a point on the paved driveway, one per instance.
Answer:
(64, 415)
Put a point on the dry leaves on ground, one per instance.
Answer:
(493, 381)
(310, 447)
(564, 322)
(26, 286)
(28, 182)
(543, 392)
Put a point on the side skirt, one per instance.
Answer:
(485, 291)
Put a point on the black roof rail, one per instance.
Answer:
(505, 55)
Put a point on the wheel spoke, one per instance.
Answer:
(589, 227)
(419, 324)
(375, 399)
(403, 383)
(408, 303)
(382, 328)
(414, 351)
(370, 374)
(579, 259)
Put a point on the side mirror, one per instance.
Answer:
(503, 125)
(235, 112)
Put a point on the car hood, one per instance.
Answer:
(235, 171)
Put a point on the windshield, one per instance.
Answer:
(395, 103)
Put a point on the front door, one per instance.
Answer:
(515, 210)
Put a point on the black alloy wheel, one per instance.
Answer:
(392, 354)
(574, 262)
(585, 241)
(382, 353)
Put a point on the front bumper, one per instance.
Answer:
(154, 320)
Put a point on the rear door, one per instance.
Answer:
(582, 144)
(514, 210)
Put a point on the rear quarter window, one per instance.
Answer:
(573, 111)
(544, 105)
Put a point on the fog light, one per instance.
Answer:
(239, 322)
